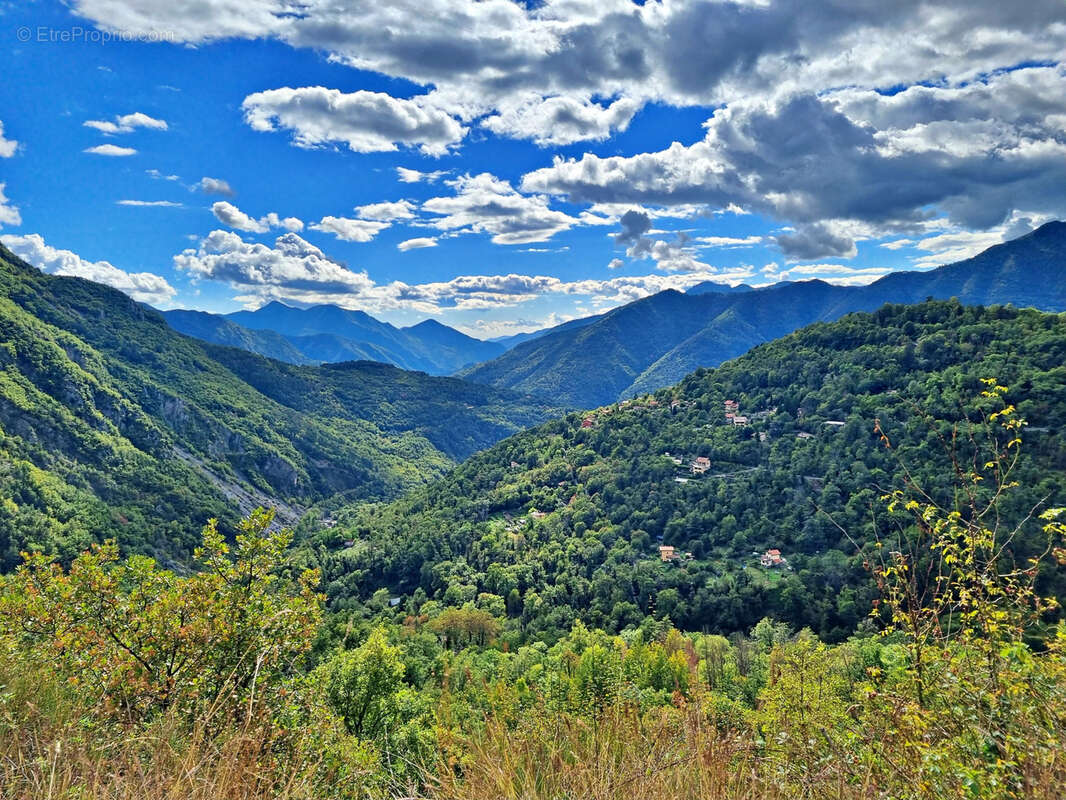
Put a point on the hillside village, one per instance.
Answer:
(757, 425)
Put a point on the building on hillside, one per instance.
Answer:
(740, 421)
(732, 405)
(701, 465)
(834, 423)
(587, 422)
(772, 558)
(804, 435)
(667, 552)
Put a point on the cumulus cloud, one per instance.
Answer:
(634, 225)
(350, 230)
(615, 263)
(416, 244)
(386, 212)
(126, 123)
(295, 271)
(561, 120)
(486, 204)
(292, 264)
(7, 146)
(366, 122)
(111, 150)
(824, 159)
(803, 132)
(406, 175)
(215, 186)
(815, 241)
(144, 287)
(668, 256)
(9, 214)
(228, 214)
(683, 53)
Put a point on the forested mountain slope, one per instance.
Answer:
(565, 521)
(653, 342)
(114, 425)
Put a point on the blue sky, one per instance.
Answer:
(502, 167)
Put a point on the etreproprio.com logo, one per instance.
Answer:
(77, 34)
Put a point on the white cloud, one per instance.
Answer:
(291, 224)
(486, 204)
(350, 230)
(386, 212)
(215, 186)
(145, 287)
(159, 176)
(561, 120)
(416, 244)
(9, 214)
(406, 175)
(668, 256)
(293, 265)
(228, 214)
(615, 263)
(838, 274)
(7, 146)
(490, 56)
(111, 150)
(127, 123)
(296, 271)
(802, 132)
(149, 203)
(822, 162)
(958, 245)
(367, 122)
(897, 244)
(727, 242)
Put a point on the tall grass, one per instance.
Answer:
(621, 754)
(53, 747)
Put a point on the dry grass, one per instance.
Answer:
(51, 748)
(623, 755)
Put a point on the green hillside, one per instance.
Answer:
(564, 522)
(114, 425)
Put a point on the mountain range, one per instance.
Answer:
(112, 424)
(654, 342)
(325, 333)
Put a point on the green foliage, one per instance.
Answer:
(564, 521)
(361, 685)
(140, 639)
(112, 425)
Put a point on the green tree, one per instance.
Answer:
(140, 638)
(363, 685)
